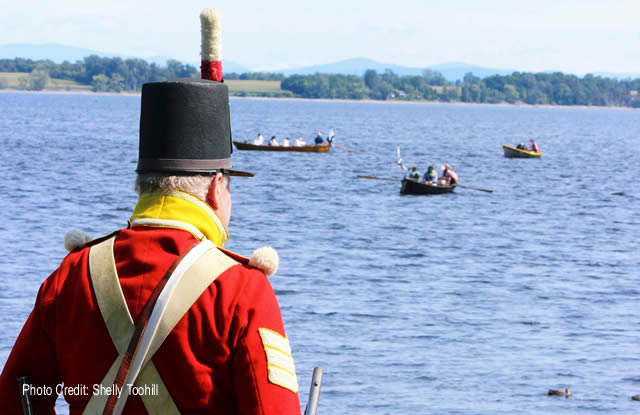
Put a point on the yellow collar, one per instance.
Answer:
(180, 210)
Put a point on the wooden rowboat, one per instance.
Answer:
(415, 187)
(303, 149)
(512, 152)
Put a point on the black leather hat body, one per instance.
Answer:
(185, 128)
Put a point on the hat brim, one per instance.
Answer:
(232, 172)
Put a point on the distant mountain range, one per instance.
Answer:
(357, 66)
(52, 51)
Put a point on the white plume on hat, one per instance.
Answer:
(211, 35)
(265, 259)
(75, 239)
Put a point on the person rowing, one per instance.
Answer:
(534, 146)
(430, 176)
(449, 177)
(414, 174)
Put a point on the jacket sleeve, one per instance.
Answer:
(34, 355)
(265, 380)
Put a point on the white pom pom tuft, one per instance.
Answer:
(211, 35)
(265, 259)
(75, 239)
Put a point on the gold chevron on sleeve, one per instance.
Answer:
(281, 369)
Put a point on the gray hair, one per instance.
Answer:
(197, 185)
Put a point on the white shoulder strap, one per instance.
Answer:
(192, 276)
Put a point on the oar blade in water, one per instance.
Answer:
(377, 178)
(476, 188)
(353, 150)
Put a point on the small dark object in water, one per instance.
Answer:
(635, 398)
(618, 194)
(555, 392)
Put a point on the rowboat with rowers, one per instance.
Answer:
(513, 152)
(414, 186)
(417, 187)
(302, 149)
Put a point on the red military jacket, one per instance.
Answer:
(214, 361)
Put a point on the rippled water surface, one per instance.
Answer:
(467, 303)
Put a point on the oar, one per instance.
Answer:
(346, 148)
(476, 188)
(378, 178)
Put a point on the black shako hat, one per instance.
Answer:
(185, 128)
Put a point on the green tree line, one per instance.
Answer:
(103, 74)
(259, 76)
(527, 88)
(117, 74)
(111, 74)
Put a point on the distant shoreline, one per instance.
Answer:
(69, 92)
(482, 104)
(368, 101)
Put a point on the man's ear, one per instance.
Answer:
(215, 188)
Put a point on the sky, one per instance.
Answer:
(572, 36)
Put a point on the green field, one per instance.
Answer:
(253, 86)
(12, 80)
(256, 88)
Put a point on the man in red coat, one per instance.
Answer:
(218, 345)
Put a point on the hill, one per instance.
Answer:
(51, 51)
(457, 70)
(357, 66)
(60, 53)
(618, 75)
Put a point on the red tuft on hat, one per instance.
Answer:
(211, 46)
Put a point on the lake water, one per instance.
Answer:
(467, 303)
